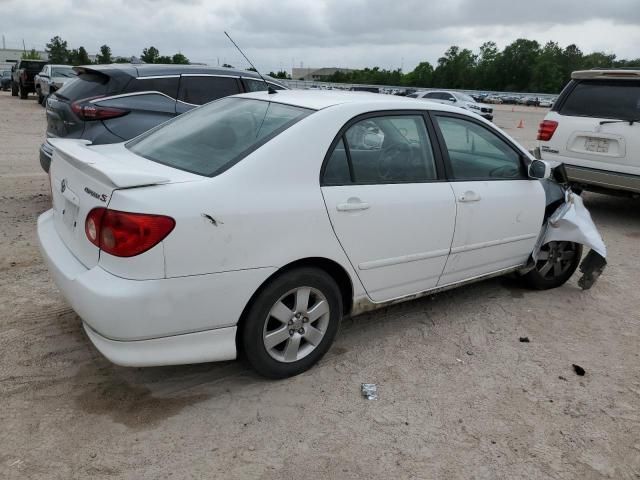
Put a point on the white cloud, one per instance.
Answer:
(353, 33)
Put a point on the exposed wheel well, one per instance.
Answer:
(337, 272)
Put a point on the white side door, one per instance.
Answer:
(499, 209)
(392, 214)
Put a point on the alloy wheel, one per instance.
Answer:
(296, 324)
(555, 258)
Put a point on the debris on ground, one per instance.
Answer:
(592, 267)
(370, 391)
(524, 339)
(562, 378)
(579, 370)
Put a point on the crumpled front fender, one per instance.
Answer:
(572, 222)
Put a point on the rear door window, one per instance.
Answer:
(615, 99)
(198, 90)
(165, 85)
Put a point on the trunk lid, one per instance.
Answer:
(84, 177)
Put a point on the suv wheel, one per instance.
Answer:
(557, 261)
(23, 93)
(40, 97)
(14, 89)
(292, 322)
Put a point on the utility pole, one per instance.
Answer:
(23, 46)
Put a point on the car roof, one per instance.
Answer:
(319, 99)
(153, 69)
(604, 73)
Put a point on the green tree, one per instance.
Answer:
(180, 59)
(517, 63)
(82, 57)
(455, 69)
(226, 65)
(548, 76)
(421, 76)
(598, 60)
(164, 59)
(150, 55)
(487, 76)
(105, 55)
(280, 74)
(31, 55)
(57, 50)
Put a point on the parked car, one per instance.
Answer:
(457, 99)
(257, 221)
(52, 78)
(545, 102)
(5, 80)
(594, 129)
(364, 88)
(112, 103)
(23, 73)
(510, 99)
(494, 99)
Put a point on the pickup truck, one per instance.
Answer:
(22, 74)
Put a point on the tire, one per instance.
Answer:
(292, 343)
(556, 263)
(23, 93)
(40, 97)
(14, 89)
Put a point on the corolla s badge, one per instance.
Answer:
(100, 196)
(63, 185)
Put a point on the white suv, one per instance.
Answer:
(593, 128)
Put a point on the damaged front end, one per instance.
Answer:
(568, 220)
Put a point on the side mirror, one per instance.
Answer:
(452, 99)
(539, 169)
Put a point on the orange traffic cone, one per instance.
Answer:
(521, 124)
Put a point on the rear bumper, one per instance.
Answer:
(151, 322)
(603, 179)
(46, 152)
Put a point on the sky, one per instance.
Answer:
(320, 33)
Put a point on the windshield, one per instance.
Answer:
(464, 97)
(63, 72)
(214, 137)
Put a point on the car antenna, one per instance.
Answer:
(270, 89)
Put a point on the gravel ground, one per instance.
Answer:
(460, 397)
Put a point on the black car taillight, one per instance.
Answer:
(89, 111)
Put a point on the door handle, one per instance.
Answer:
(352, 205)
(469, 196)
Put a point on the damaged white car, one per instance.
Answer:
(256, 222)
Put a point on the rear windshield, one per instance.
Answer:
(85, 86)
(32, 65)
(214, 137)
(616, 99)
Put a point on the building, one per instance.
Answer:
(316, 74)
(8, 56)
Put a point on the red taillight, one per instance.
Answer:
(546, 130)
(125, 234)
(89, 111)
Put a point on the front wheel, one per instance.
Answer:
(292, 322)
(557, 261)
(14, 89)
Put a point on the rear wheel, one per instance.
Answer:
(292, 322)
(40, 97)
(14, 89)
(23, 92)
(557, 261)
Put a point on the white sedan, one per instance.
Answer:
(256, 222)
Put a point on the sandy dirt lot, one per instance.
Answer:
(459, 396)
